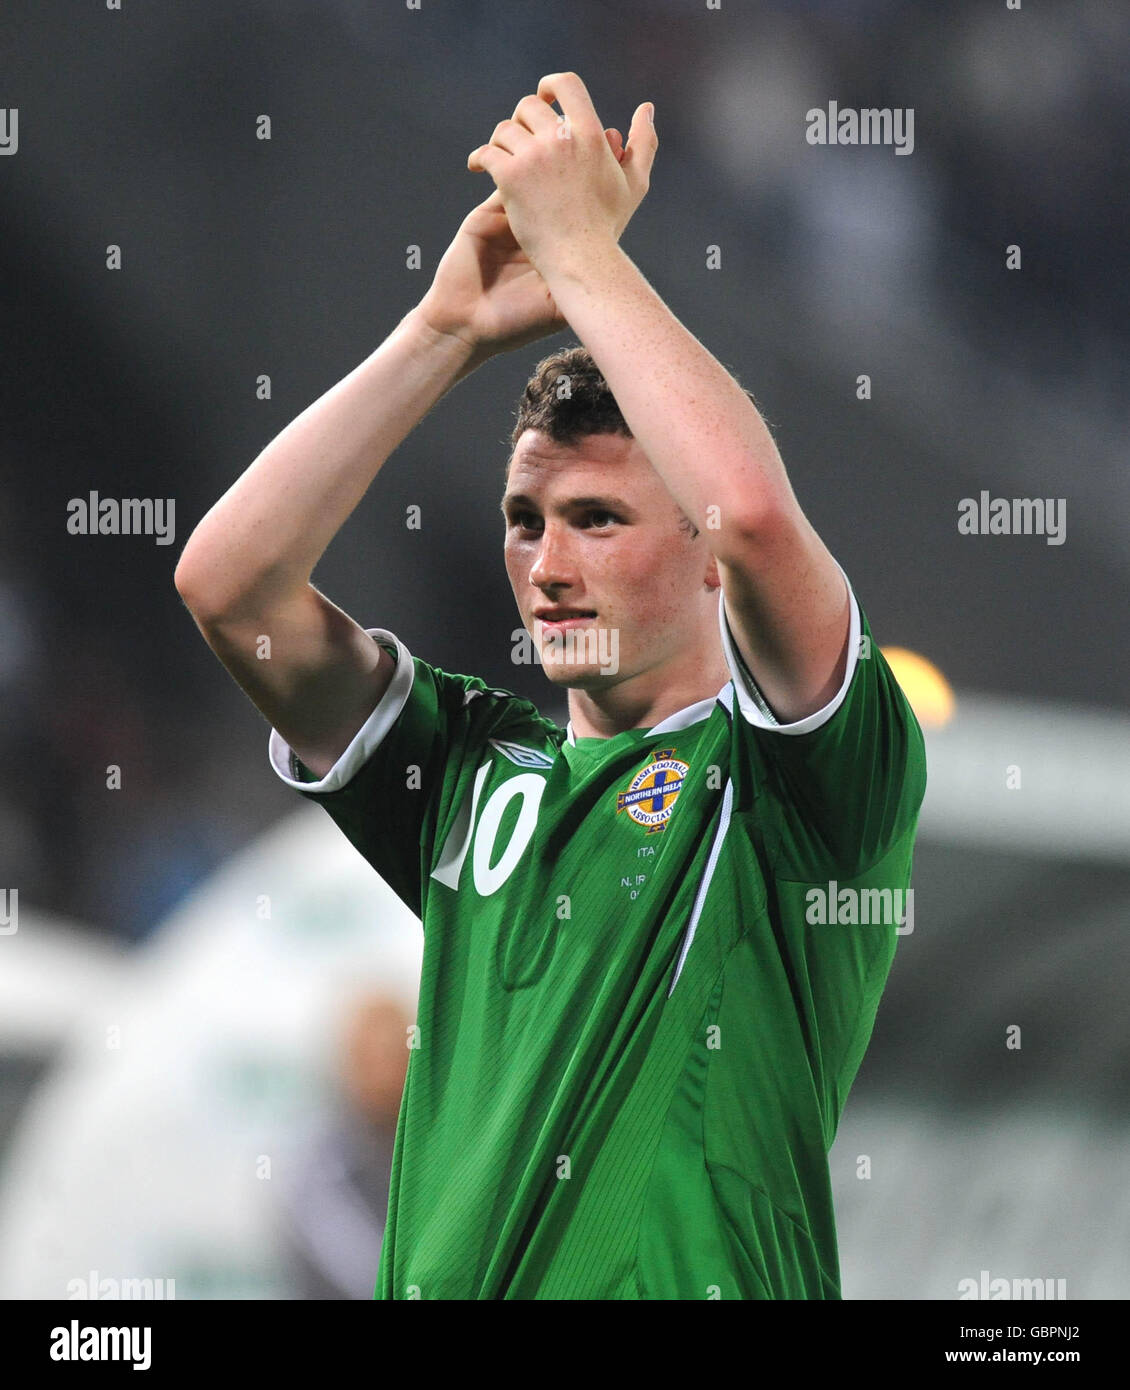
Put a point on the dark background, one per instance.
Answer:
(286, 257)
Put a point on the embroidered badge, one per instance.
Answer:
(650, 797)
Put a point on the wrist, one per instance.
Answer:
(580, 262)
(436, 333)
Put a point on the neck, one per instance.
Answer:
(643, 701)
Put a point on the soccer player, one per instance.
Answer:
(644, 995)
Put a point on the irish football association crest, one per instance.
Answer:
(650, 797)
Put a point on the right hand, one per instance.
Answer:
(486, 290)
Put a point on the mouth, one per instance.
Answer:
(563, 617)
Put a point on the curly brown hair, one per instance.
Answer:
(566, 398)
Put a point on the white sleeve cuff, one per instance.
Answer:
(366, 739)
(752, 703)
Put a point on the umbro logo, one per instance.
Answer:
(519, 754)
(469, 695)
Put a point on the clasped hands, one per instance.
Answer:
(569, 185)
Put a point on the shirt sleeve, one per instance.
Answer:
(831, 803)
(847, 781)
(393, 784)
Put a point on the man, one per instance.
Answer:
(635, 1036)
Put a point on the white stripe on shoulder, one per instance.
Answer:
(704, 885)
(367, 737)
(750, 700)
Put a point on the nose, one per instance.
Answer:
(553, 565)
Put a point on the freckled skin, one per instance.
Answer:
(637, 568)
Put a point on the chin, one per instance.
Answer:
(576, 677)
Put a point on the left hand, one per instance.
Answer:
(568, 187)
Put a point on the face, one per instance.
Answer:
(593, 538)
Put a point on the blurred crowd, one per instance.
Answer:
(1021, 135)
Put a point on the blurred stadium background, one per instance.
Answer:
(193, 1091)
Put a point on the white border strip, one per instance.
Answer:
(367, 738)
(681, 719)
(752, 703)
(711, 864)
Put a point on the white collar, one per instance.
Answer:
(681, 719)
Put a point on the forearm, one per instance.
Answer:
(698, 428)
(261, 541)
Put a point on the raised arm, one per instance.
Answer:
(245, 571)
(786, 600)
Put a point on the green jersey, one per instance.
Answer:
(646, 984)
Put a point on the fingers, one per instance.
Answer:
(491, 204)
(640, 154)
(489, 218)
(571, 94)
(536, 115)
(508, 137)
(615, 141)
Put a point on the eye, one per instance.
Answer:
(521, 520)
(611, 516)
